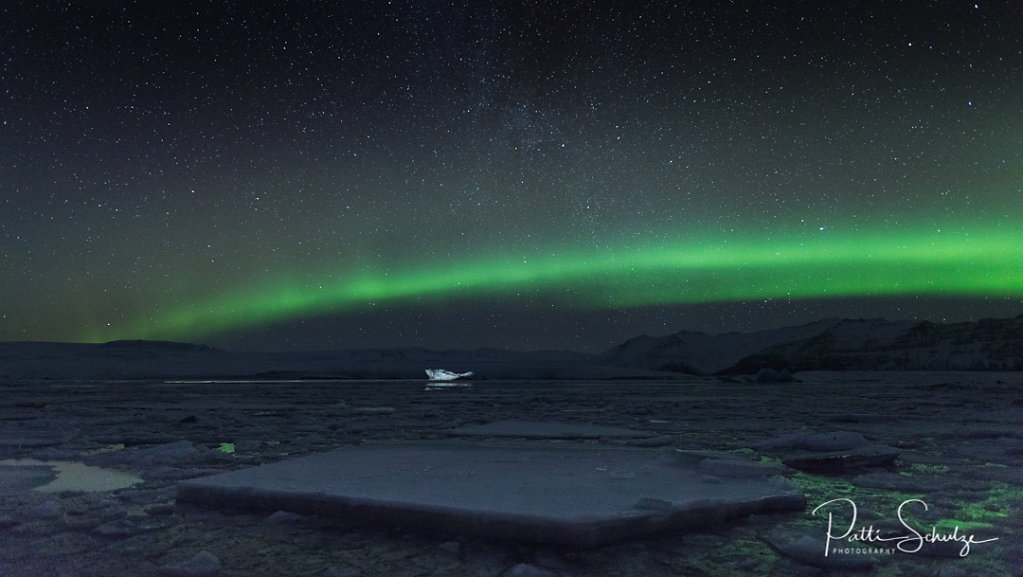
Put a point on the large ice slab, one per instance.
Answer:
(581, 496)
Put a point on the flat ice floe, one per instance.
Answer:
(576, 495)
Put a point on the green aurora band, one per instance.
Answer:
(821, 267)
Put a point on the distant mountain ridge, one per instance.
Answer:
(137, 360)
(832, 344)
(829, 344)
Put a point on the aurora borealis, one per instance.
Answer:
(324, 175)
(957, 266)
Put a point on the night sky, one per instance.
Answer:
(322, 175)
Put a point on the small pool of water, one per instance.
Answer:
(75, 476)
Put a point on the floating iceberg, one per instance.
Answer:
(445, 375)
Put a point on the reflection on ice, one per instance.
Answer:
(447, 385)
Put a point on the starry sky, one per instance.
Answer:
(523, 175)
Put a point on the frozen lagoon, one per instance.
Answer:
(959, 438)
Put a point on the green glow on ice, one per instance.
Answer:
(984, 264)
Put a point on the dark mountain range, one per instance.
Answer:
(833, 344)
(830, 344)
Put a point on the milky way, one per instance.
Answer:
(434, 174)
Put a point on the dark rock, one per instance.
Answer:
(805, 440)
(659, 441)
(842, 461)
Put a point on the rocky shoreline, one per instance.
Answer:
(953, 441)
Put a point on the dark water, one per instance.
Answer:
(898, 408)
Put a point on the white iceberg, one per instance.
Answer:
(445, 375)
